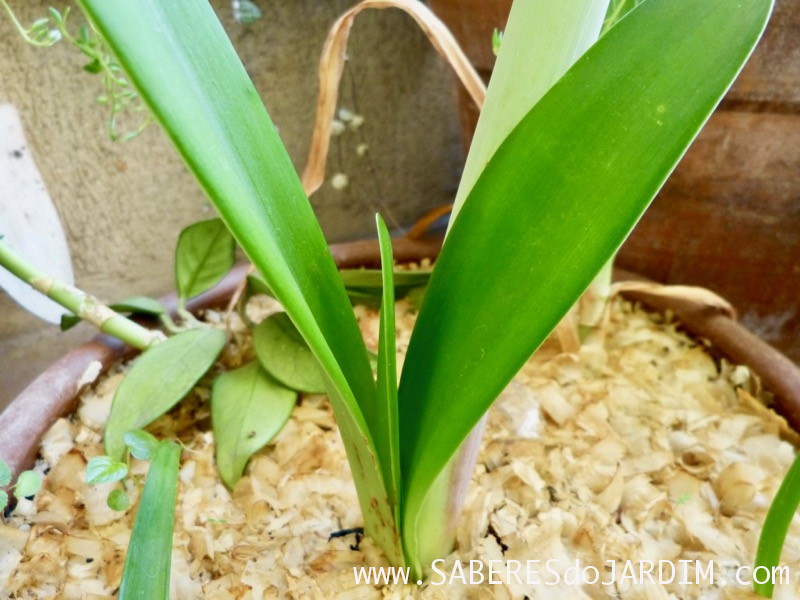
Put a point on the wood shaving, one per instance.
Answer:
(638, 447)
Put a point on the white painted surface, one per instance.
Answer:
(29, 222)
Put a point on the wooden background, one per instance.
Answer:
(729, 217)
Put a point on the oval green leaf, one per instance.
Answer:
(140, 443)
(104, 469)
(284, 354)
(118, 500)
(28, 484)
(147, 564)
(204, 255)
(158, 380)
(248, 407)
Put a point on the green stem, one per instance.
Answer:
(46, 43)
(85, 306)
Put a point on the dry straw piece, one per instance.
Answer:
(334, 55)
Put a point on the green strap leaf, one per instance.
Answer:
(284, 354)
(177, 55)
(616, 10)
(248, 408)
(776, 527)
(552, 206)
(158, 380)
(388, 442)
(145, 575)
(543, 39)
(204, 255)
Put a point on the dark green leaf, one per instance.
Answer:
(178, 56)
(776, 526)
(284, 354)
(204, 255)
(248, 407)
(93, 67)
(158, 380)
(139, 305)
(257, 285)
(118, 500)
(386, 441)
(147, 564)
(372, 279)
(28, 484)
(5, 473)
(68, 321)
(104, 469)
(552, 206)
(140, 443)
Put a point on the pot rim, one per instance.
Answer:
(55, 392)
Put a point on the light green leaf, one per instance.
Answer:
(387, 441)
(141, 443)
(618, 9)
(204, 255)
(552, 206)
(28, 484)
(147, 564)
(3, 499)
(178, 56)
(104, 469)
(118, 500)
(248, 408)
(776, 527)
(284, 354)
(5, 473)
(139, 305)
(542, 40)
(158, 380)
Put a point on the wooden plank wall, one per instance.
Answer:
(729, 217)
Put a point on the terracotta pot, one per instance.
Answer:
(729, 217)
(56, 391)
